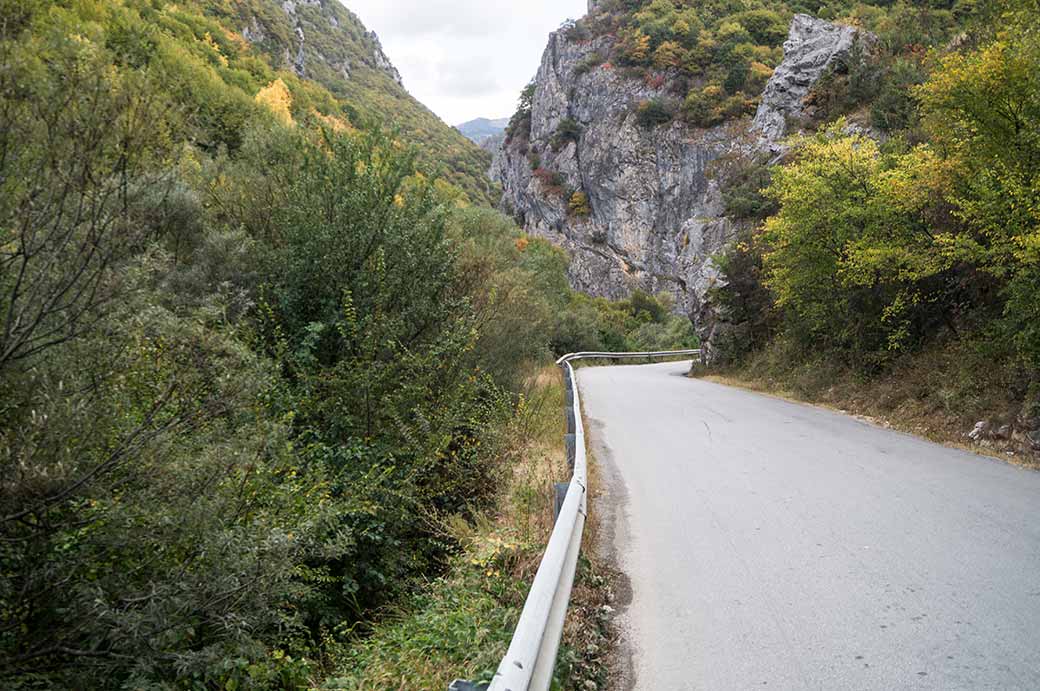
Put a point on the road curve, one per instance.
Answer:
(772, 544)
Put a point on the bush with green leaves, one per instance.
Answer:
(894, 108)
(880, 249)
(653, 113)
(639, 322)
(567, 132)
(249, 364)
(519, 126)
(152, 523)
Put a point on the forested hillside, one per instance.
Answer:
(256, 353)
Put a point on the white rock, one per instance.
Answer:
(811, 47)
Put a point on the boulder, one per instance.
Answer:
(812, 47)
(980, 431)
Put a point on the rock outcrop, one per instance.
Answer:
(811, 49)
(1017, 435)
(653, 217)
(381, 61)
(312, 24)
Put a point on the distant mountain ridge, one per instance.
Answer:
(482, 129)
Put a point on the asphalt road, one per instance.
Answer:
(771, 544)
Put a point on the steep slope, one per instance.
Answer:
(322, 41)
(651, 216)
(252, 360)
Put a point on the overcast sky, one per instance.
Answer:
(465, 58)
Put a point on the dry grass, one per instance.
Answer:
(938, 394)
(586, 649)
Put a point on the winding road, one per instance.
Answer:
(769, 544)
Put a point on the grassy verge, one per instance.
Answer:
(460, 625)
(938, 394)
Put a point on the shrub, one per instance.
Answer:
(579, 204)
(766, 27)
(1021, 319)
(703, 108)
(520, 123)
(736, 76)
(736, 106)
(757, 78)
(894, 108)
(742, 299)
(744, 193)
(653, 113)
(669, 55)
(552, 182)
(577, 32)
(567, 131)
(634, 48)
(641, 322)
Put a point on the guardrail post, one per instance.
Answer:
(463, 685)
(569, 442)
(570, 419)
(560, 494)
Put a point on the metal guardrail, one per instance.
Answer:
(529, 662)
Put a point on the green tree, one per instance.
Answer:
(826, 205)
(983, 107)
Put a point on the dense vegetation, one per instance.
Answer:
(878, 251)
(714, 58)
(640, 322)
(256, 356)
(461, 625)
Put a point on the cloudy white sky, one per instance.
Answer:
(465, 58)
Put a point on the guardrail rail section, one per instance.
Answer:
(529, 661)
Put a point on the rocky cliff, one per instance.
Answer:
(638, 206)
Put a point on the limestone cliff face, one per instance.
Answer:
(655, 214)
(813, 47)
(654, 217)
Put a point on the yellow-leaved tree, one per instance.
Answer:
(278, 99)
